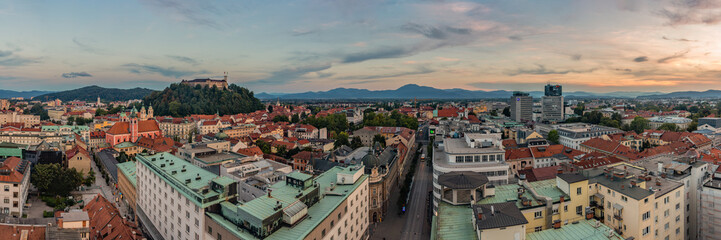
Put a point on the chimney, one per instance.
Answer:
(480, 215)
(493, 211)
(110, 228)
(60, 222)
(269, 191)
(623, 186)
(633, 183)
(559, 170)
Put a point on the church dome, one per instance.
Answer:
(371, 161)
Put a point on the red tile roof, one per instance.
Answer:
(539, 174)
(77, 150)
(518, 153)
(13, 166)
(14, 232)
(251, 151)
(102, 213)
(509, 143)
(597, 162)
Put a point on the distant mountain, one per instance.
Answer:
(183, 100)
(423, 92)
(688, 94)
(22, 94)
(91, 93)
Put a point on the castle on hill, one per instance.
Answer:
(207, 82)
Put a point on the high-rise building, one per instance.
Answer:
(552, 104)
(521, 107)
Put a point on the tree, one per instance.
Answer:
(264, 146)
(379, 139)
(356, 142)
(281, 118)
(553, 136)
(270, 108)
(38, 109)
(90, 179)
(668, 127)
(494, 113)
(55, 180)
(693, 126)
(100, 112)
(295, 118)
(507, 111)
(341, 139)
(579, 109)
(639, 124)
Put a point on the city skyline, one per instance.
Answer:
(596, 46)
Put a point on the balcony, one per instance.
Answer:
(596, 204)
(618, 217)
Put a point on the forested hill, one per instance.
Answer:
(91, 94)
(182, 100)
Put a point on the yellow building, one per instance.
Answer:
(102, 125)
(128, 148)
(642, 207)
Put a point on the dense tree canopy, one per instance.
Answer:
(395, 119)
(55, 180)
(333, 122)
(182, 100)
(668, 127)
(553, 136)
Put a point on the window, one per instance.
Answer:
(645, 231)
(646, 215)
(665, 213)
(565, 208)
(210, 230)
(678, 230)
(578, 191)
(579, 210)
(678, 206)
(538, 229)
(555, 211)
(678, 218)
(665, 226)
(624, 198)
(538, 214)
(220, 237)
(7, 188)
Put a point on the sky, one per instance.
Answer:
(318, 45)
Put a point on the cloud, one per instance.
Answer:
(677, 55)
(692, 12)
(576, 57)
(640, 59)
(418, 71)
(193, 12)
(678, 39)
(17, 61)
(301, 32)
(86, 47)
(289, 74)
(443, 32)
(183, 59)
(542, 70)
(5, 53)
(628, 5)
(168, 72)
(379, 53)
(76, 74)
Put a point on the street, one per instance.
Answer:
(417, 226)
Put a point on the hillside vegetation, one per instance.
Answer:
(91, 94)
(181, 100)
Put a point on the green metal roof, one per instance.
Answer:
(170, 168)
(128, 169)
(11, 152)
(300, 176)
(509, 192)
(125, 145)
(74, 128)
(263, 206)
(584, 229)
(453, 222)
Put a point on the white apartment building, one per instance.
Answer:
(173, 196)
(14, 183)
(482, 153)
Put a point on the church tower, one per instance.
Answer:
(143, 114)
(150, 112)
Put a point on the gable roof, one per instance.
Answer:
(498, 215)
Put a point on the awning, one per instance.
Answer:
(598, 195)
(617, 206)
